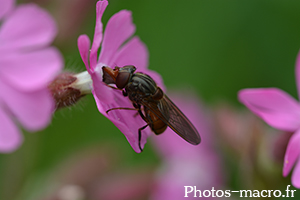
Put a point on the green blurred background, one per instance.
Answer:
(214, 47)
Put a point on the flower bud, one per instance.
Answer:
(67, 88)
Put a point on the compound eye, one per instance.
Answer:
(122, 79)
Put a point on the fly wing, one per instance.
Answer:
(170, 114)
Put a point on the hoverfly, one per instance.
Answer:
(155, 108)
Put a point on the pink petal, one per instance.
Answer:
(126, 120)
(100, 8)
(28, 27)
(133, 53)
(10, 137)
(292, 153)
(5, 7)
(32, 70)
(273, 105)
(83, 44)
(102, 91)
(32, 109)
(297, 72)
(119, 28)
(296, 174)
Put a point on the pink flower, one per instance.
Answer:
(118, 48)
(184, 164)
(281, 111)
(27, 65)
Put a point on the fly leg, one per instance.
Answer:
(125, 94)
(140, 135)
(120, 108)
(138, 107)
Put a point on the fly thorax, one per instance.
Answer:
(141, 86)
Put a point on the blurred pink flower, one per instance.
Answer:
(27, 65)
(118, 48)
(184, 164)
(252, 144)
(282, 112)
(94, 173)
